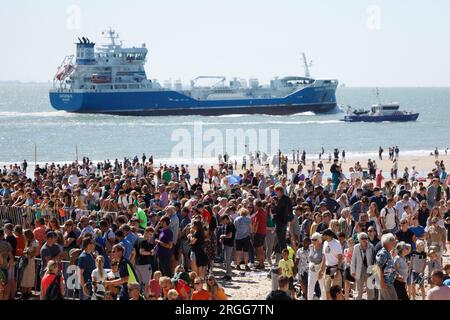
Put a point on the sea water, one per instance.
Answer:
(27, 118)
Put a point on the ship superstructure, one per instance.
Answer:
(111, 79)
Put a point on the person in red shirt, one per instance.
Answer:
(200, 293)
(259, 227)
(50, 275)
(379, 178)
(206, 215)
(154, 287)
(20, 240)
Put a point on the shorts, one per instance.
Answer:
(258, 240)
(192, 256)
(243, 244)
(417, 278)
(348, 275)
(330, 281)
(144, 273)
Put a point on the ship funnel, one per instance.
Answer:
(85, 52)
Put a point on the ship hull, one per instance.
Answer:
(163, 103)
(390, 118)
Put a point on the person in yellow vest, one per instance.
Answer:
(126, 271)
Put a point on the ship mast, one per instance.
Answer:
(306, 64)
(112, 36)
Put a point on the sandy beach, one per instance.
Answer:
(423, 164)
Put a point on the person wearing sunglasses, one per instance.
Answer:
(199, 292)
(363, 259)
(405, 234)
(373, 236)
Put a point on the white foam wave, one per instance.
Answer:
(97, 122)
(14, 114)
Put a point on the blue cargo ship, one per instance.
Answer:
(111, 79)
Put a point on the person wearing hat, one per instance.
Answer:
(378, 198)
(332, 260)
(156, 203)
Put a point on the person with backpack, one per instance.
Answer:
(52, 284)
(389, 218)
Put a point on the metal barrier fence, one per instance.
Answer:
(69, 272)
(27, 215)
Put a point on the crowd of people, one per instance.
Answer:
(137, 231)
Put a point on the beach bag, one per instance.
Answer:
(53, 291)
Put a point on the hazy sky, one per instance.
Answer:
(359, 42)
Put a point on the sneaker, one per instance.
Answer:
(247, 268)
(238, 267)
(260, 267)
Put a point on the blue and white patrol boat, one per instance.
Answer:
(380, 113)
(111, 79)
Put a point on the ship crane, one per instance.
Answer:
(306, 64)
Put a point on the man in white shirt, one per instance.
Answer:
(406, 201)
(73, 178)
(331, 261)
(355, 175)
(389, 217)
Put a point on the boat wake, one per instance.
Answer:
(45, 114)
